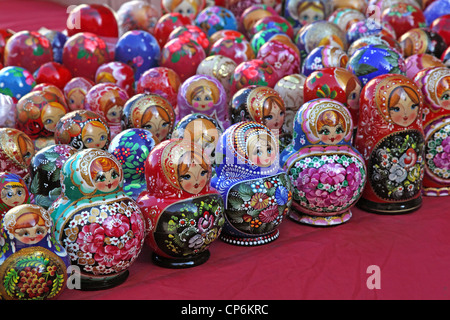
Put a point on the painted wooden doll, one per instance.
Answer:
(434, 84)
(327, 173)
(256, 191)
(302, 12)
(45, 171)
(238, 105)
(101, 228)
(83, 129)
(13, 192)
(16, 152)
(151, 112)
(390, 138)
(75, 92)
(184, 215)
(37, 114)
(33, 266)
(203, 94)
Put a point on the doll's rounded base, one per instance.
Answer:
(436, 192)
(89, 284)
(393, 208)
(181, 263)
(319, 221)
(250, 241)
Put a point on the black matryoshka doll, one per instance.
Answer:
(101, 227)
(37, 114)
(83, 129)
(390, 138)
(434, 84)
(183, 213)
(238, 105)
(257, 193)
(327, 173)
(149, 111)
(13, 192)
(33, 266)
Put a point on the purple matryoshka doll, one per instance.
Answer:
(33, 266)
(327, 173)
(390, 138)
(101, 228)
(151, 112)
(83, 129)
(183, 213)
(37, 114)
(256, 191)
(16, 152)
(13, 192)
(434, 84)
(203, 94)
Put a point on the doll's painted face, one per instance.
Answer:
(353, 98)
(205, 134)
(26, 149)
(185, 9)
(202, 98)
(273, 114)
(114, 114)
(261, 150)
(105, 174)
(403, 107)
(444, 100)
(30, 229)
(331, 134)
(75, 99)
(94, 135)
(51, 115)
(156, 120)
(193, 175)
(13, 195)
(331, 127)
(310, 13)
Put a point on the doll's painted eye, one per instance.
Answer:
(445, 97)
(324, 131)
(9, 194)
(269, 150)
(414, 106)
(394, 109)
(48, 121)
(204, 172)
(269, 117)
(114, 174)
(186, 177)
(19, 192)
(89, 140)
(100, 178)
(339, 129)
(102, 137)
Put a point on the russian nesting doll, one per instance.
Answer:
(45, 171)
(101, 228)
(184, 215)
(390, 138)
(33, 266)
(203, 94)
(37, 114)
(257, 193)
(13, 192)
(83, 129)
(327, 173)
(434, 84)
(151, 112)
(75, 92)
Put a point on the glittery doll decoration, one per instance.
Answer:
(13, 192)
(327, 173)
(149, 111)
(184, 214)
(434, 84)
(92, 202)
(256, 191)
(83, 129)
(390, 138)
(203, 94)
(33, 266)
(75, 92)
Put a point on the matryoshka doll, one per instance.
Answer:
(33, 266)
(107, 100)
(327, 173)
(184, 215)
(45, 171)
(75, 92)
(83, 129)
(151, 112)
(434, 84)
(390, 138)
(302, 12)
(37, 114)
(13, 192)
(101, 228)
(187, 8)
(16, 152)
(203, 94)
(256, 191)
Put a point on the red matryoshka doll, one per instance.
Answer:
(434, 84)
(116, 72)
(206, 95)
(328, 175)
(13, 192)
(83, 129)
(390, 137)
(183, 213)
(149, 111)
(50, 88)
(187, 8)
(101, 228)
(33, 266)
(75, 92)
(107, 100)
(37, 114)
(335, 83)
(16, 152)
